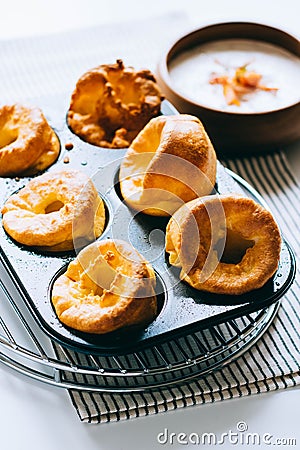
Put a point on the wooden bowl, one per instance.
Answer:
(231, 132)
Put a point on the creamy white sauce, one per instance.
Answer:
(191, 71)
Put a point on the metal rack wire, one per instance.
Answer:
(25, 348)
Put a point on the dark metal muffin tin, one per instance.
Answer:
(182, 309)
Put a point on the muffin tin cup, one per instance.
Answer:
(181, 309)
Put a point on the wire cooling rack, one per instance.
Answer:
(25, 348)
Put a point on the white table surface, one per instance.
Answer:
(36, 416)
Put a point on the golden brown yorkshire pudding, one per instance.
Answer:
(112, 103)
(56, 211)
(108, 286)
(27, 142)
(170, 162)
(224, 244)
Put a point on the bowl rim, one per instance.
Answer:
(164, 72)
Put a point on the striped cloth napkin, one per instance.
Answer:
(272, 363)
(34, 69)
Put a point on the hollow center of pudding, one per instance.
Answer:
(139, 163)
(7, 137)
(235, 247)
(54, 206)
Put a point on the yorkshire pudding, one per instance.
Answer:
(224, 244)
(56, 211)
(112, 103)
(170, 162)
(27, 142)
(108, 286)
